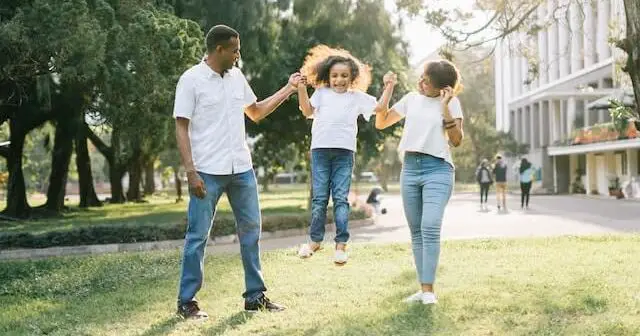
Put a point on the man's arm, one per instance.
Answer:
(260, 110)
(196, 184)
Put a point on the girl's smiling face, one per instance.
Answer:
(340, 77)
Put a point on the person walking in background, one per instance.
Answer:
(484, 178)
(526, 179)
(500, 174)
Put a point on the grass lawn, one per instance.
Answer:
(158, 211)
(559, 286)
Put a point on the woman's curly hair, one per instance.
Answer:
(321, 58)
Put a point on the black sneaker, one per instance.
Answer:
(191, 310)
(262, 304)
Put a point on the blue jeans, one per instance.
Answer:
(426, 183)
(331, 170)
(242, 192)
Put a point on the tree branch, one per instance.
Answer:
(4, 151)
(96, 141)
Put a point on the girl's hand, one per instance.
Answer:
(447, 95)
(390, 78)
(302, 83)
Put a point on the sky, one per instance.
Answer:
(422, 39)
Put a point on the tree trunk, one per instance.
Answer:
(178, 181)
(17, 205)
(149, 178)
(61, 156)
(632, 46)
(88, 197)
(115, 179)
(135, 177)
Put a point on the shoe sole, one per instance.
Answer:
(340, 263)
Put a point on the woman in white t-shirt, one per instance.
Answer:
(433, 121)
(340, 81)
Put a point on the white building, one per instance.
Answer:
(576, 65)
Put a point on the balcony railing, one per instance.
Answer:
(601, 133)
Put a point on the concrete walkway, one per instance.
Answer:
(548, 216)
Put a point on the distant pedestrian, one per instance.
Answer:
(526, 179)
(500, 175)
(484, 178)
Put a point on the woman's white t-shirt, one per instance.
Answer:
(335, 118)
(423, 129)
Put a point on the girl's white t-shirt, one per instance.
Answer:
(335, 118)
(424, 131)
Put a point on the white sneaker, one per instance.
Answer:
(305, 251)
(429, 298)
(340, 257)
(417, 297)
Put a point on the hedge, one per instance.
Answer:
(117, 234)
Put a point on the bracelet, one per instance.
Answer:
(450, 126)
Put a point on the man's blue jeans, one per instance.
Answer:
(242, 191)
(331, 170)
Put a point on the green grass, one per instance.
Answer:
(559, 286)
(161, 210)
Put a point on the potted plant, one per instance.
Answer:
(615, 188)
(632, 130)
(621, 116)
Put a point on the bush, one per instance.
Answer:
(115, 234)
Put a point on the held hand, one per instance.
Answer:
(303, 82)
(196, 185)
(390, 78)
(294, 80)
(447, 95)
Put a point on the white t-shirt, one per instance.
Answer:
(423, 129)
(215, 106)
(335, 119)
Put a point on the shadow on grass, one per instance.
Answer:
(230, 323)
(164, 327)
(579, 307)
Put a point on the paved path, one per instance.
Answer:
(548, 216)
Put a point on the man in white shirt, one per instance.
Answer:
(211, 101)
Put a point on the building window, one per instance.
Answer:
(582, 163)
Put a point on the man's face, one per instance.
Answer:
(228, 53)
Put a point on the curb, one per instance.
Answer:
(152, 246)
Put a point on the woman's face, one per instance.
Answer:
(426, 88)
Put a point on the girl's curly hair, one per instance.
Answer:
(321, 58)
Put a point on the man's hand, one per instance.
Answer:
(196, 184)
(294, 80)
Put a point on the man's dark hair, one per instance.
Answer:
(324, 68)
(219, 35)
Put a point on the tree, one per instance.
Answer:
(147, 53)
(44, 43)
(520, 16)
(631, 45)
